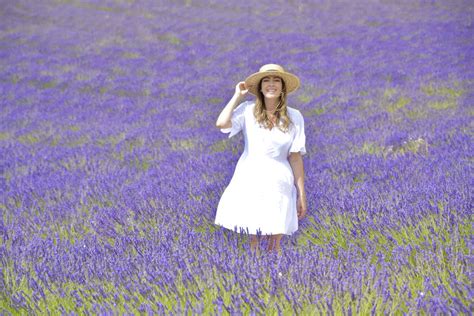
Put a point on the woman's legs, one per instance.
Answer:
(274, 242)
(254, 241)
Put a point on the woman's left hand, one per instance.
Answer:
(301, 207)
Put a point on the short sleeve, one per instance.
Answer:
(238, 120)
(299, 140)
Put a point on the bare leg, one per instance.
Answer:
(254, 243)
(274, 243)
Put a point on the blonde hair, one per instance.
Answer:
(281, 112)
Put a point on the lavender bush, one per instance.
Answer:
(111, 167)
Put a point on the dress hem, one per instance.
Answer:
(245, 231)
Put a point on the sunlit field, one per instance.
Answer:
(112, 168)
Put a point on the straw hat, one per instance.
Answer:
(292, 82)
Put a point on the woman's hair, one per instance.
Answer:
(281, 112)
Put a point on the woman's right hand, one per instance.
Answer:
(225, 118)
(241, 89)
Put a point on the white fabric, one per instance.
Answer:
(261, 196)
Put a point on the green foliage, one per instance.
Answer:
(131, 55)
(48, 84)
(183, 144)
(446, 97)
(429, 230)
(371, 148)
(216, 101)
(15, 78)
(317, 110)
(304, 98)
(111, 140)
(220, 145)
(170, 38)
(399, 104)
(432, 90)
(29, 139)
(415, 146)
(450, 103)
(78, 141)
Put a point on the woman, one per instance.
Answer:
(266, 195)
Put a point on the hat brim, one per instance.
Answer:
(292, 82)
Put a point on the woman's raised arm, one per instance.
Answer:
(224, 119)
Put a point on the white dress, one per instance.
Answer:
(261, 196)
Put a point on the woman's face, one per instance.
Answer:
(271, 87)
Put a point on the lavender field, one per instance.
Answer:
(112, 168)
